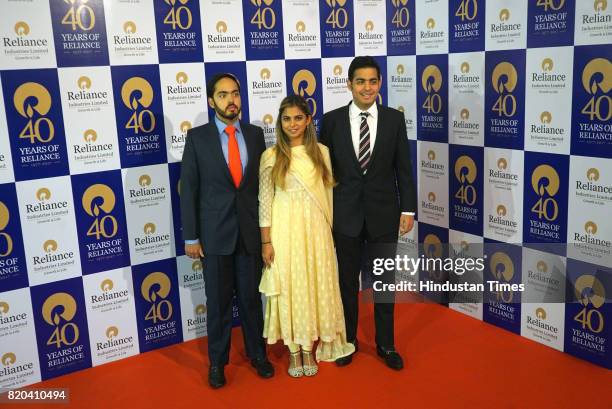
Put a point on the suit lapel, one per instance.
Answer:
(379, 134)
(217, 150)
(345, 124)
(249, 142)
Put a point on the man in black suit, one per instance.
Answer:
(219, 209)
(371, 163)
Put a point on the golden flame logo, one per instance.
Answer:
(400, 69)
(133, 87)
(545, 179)
(397, 3)
(98, 197)
(258, 3)
(338, 70)
(597, 74)
(22, 28)
(200, 309)
(32, 90)
(431, 80)
(465, 169)
(504, 15)
(107, 285)
(50, 246)
(185, 126)
(267, 119)
(590, 227)
(431, 196)
(465, 68)
(541, 313)
(155, 285)
(300, 27)
(304, 84)
(4, 216)
(592, 175)
(465, 245)
(8, 359)
(431, 155)
(129, 27)
(149, 228)
(264, 74)
(502, 164)
(545, 117)
(547, 64)
(181, 78)
(502, 266)
(197, 266)
(465, 114)
(400, 108)
(600, 5)
(144, 180)
(112, 332)
(57, 307)
(333, 3)
(43, 194)
(431, 23)
(432, 246)
(369, 25)
(4, 307)
(504, 77)
(221, 27)
(589, 290)
(84, 82)
(542, 266)
(501, 210)
(90, 135)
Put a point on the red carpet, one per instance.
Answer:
(452, 361)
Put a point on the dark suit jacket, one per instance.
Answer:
(371, 198)
(212, 208)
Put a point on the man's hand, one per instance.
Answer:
(406, 223)
(267, 253)
(194, 250)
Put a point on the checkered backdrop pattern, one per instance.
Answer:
(507, 107)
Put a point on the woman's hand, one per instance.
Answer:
(267, 253)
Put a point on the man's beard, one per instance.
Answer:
(230, 116)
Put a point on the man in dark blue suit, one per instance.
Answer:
(219, 209)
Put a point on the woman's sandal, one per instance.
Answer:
(309, 363)
(296, 369)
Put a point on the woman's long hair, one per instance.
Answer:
(283, 146)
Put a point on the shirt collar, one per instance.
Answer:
(354, 111)
(222, 125)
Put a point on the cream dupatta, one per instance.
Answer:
(304, 171)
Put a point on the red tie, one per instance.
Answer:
(233, 155)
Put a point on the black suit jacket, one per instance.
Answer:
(212, 208)
(378, 197)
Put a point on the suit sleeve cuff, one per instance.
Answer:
(196, 241)
(408, 213)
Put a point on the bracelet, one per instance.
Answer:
(266, 242)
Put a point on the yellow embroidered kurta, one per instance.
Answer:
(303, 301)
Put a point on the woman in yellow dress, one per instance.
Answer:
(300, 278)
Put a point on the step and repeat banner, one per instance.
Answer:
(507, 107)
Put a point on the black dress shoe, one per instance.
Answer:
(263, 366)
(216, 377)
(391, 357)
(345, 360)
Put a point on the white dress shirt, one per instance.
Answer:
(372, 120)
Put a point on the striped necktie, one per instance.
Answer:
(364, 142)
